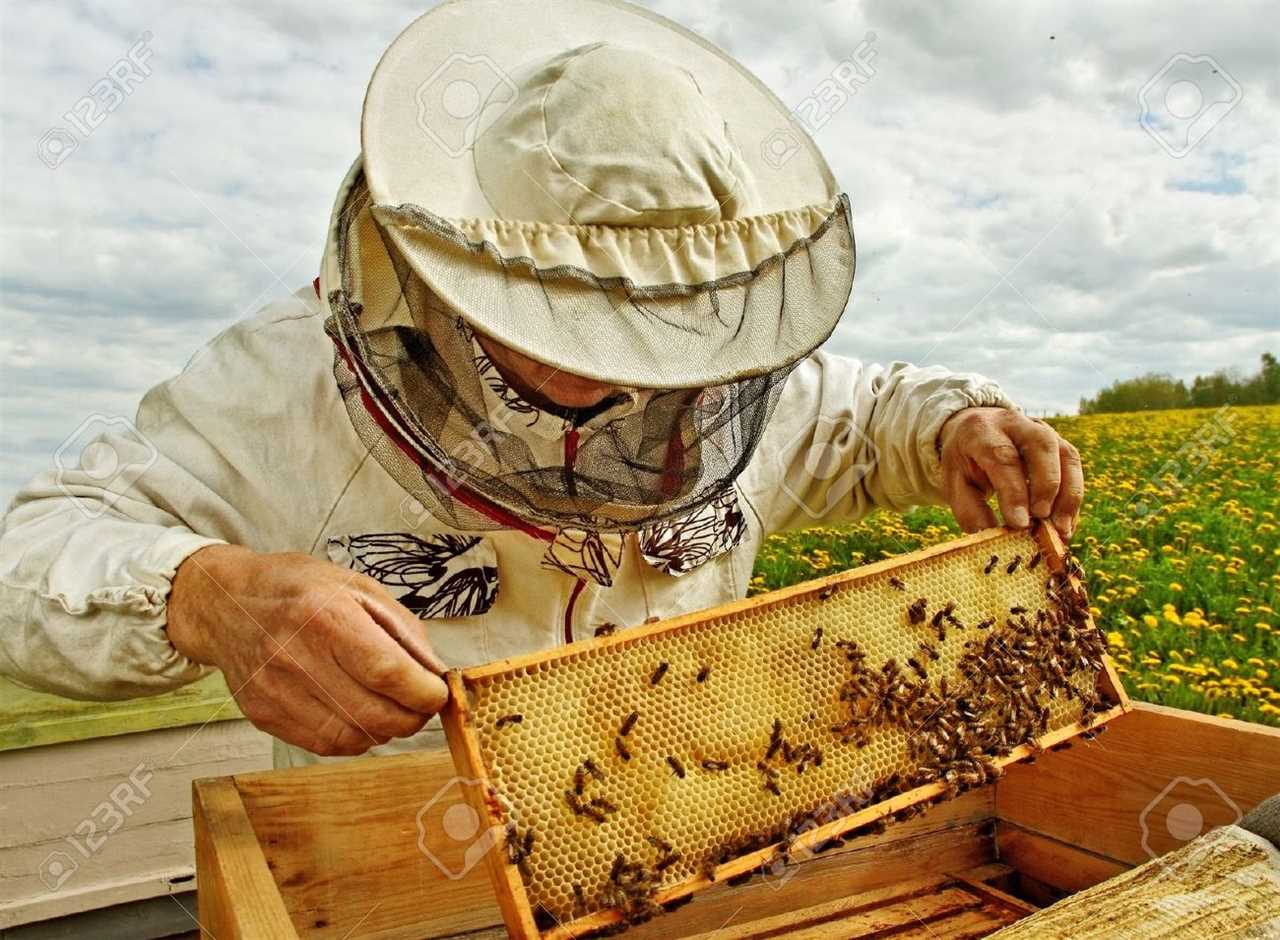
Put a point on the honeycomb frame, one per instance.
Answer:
(470, 727)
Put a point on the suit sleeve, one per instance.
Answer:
(848, 438)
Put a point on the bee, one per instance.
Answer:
(995, 560)
(826, 592)
(582, 809)
(817, 638)
(1017, 609)
(666, 861)
(715, 765)
(662, 845)
(1013, 565)
(1033, 561)
(930, 651)
(986, 624)
(703, 673)
(579, 781)
(628, 723)
(920, 670)
(772, 786)
(897, 584)
(579, 898)
(659, 672)
(676, 766)
(775, 739)
(619, 863)
(916, 612)
(603, 805)
(621, 749)
(606, 629)
(508, 720)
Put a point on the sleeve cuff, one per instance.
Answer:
(975, 393)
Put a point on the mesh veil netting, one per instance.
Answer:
(407, 369)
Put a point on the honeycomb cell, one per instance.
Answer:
(769, 666)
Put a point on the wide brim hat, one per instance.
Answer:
(602, 190)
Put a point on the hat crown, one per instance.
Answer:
(609, 135)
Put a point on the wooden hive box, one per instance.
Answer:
(340, 851)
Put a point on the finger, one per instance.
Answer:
(405, 628)
(1066, 509)
(999, 458)
(279, 703)
(372, 658)
(334, 736)
(968, 502)
(370, 711)
(1038, 445)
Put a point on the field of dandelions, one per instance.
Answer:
(1179, 539)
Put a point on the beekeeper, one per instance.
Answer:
(558, 371)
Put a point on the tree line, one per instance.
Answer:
(1157, 390)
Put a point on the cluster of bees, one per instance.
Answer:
(1008, 673)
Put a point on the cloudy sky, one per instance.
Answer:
(1014, 213)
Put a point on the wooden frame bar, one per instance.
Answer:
(238, 899)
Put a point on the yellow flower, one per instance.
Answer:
(1152, 622)
(1175, 586)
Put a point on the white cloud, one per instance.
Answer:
(979, 139)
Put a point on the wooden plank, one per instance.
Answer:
(465, 748)
(967, 925)
(996, 896)
(1113, 796)
(238, 898)
(870, 864)
(60, 803)
(1061, 866)
(906, 903)
(371, 847)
